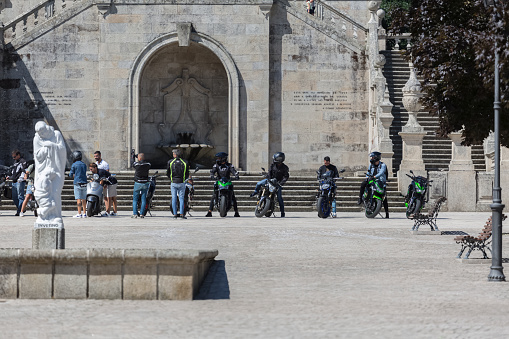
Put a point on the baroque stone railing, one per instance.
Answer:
(345, 25)
(397, 39)
(103, 273)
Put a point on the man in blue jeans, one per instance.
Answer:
(178, 172)
(18, 180)
(141, 185)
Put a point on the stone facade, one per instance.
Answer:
(266, 77)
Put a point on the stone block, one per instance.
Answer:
(140, 275)
(105, 274)
(9, 273)
(48, 238)
(70, 277)
(35, 274)
(461, 189)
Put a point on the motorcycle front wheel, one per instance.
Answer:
(90, 209)
(262, 207)
(413, 208)
(223, 206)
(373, 209)
(323, 207)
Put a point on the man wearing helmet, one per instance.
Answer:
(378, 170)
(79, 173)
(279, 171)
(223, 169)
(178, 172)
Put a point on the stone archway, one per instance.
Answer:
(184, 95)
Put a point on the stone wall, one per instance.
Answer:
(277, 82)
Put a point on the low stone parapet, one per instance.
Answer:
(144, 274)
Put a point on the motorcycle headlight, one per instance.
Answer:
(272, 188)
(419, 190)
(95, 176)
(325, 186)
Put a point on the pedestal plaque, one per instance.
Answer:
(48, 236)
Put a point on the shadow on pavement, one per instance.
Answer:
(215, 285)
(454, 233)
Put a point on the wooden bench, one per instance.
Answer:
(430, 218)
(482, 242)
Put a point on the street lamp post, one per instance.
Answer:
(496, 270)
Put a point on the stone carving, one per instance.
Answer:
(50, 157)
(412, 101)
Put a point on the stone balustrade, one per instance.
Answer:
(397, 40)
(345, 25)
(147, 274)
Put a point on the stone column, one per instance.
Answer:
(412, 133)
(461, 188)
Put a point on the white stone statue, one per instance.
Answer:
(50, 157)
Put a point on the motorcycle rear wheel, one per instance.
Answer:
(90, 209)
(323, 207)
(413, 208)
(262, 208)
(376, 206)
(223, 206)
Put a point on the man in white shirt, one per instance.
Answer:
(110, 191)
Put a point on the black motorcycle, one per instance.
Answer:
(5, 186)
(150, 195)
(373, 196)
(416, 196)
(267, 197)
(326, 194)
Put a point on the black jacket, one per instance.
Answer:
(105, 174)
(224, 171)
(281, 173)
(332, 168)
(18, 170)
(178, 170)
(141, 171)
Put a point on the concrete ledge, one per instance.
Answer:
(475, 261)
(147, 274)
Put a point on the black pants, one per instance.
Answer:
(363, 188)
(234, 201)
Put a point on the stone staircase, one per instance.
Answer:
(299, 193)
(436, 151)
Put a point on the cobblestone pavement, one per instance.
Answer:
(298, 277)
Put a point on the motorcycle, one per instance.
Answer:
(188, 197)
(150, 195)
(326, 194)
(94, 195)
(223, 195)
(373, 196)
(267, 197)
(416, 196)
(5, 187)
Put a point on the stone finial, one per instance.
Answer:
(373, 5)
(380, 61)
(412, 93)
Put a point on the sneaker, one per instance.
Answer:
(105, 214)
(387, 216)
(333, 215)
(175, 217)
(142, 216)
(183, 217)
(83, 215)
(113, 214)
(209, 214)
(237, 214)
(21, 214)
(134, 216)
(17, 214)
(77, 216)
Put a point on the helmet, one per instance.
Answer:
(374, 157)
(76, 156)
(221, 157)
(279, 157)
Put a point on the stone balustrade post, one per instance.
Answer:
(461, 188)
(412, 133)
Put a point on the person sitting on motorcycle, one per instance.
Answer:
(106, 177)
(326, 167)
(223, 169)
(377, 170)
(279, 171)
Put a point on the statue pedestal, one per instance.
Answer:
(48, 236)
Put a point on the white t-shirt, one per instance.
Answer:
(103, 165)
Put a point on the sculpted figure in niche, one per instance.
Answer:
(50, 157)
(186, 110)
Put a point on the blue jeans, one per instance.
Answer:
(140, 189)
(18, 194)
(179, 189)
(279, 194)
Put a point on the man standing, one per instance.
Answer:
(79, 173)
(328, 167)
(141, 185)
(178, 172)
(110, 191)
(18, 180)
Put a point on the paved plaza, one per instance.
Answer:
(298, 277)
